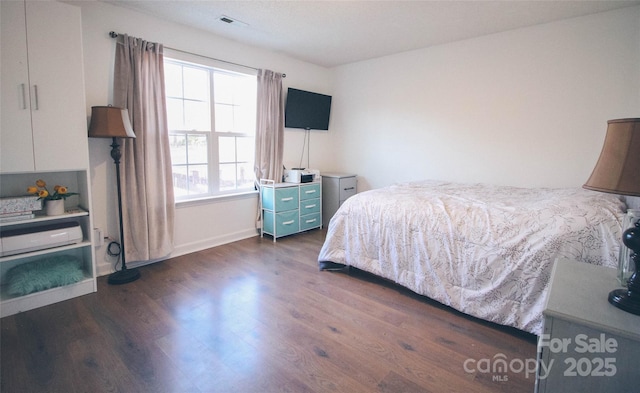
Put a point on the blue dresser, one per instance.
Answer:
(289, 208)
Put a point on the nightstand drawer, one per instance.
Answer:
(347, 187)
(309, 221)
(310, 191)
(309, 206)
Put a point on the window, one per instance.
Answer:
(212, 120)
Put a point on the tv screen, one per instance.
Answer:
(307, 110)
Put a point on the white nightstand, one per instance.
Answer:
(336, 188)
(588, 345)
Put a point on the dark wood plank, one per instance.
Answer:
(254, 316)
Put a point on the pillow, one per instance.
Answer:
(45, 273)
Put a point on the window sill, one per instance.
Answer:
(215, 199)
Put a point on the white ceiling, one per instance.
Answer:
(331, 33)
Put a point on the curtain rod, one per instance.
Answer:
(113, 34)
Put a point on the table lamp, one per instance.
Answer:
(618, 172)
(113, 122)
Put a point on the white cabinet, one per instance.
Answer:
(588, 345)
(43, 123)
(43, 135)
(82, 253)
(336, 188)
(289, 208)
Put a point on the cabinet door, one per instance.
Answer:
(56, 76)
(16, 139)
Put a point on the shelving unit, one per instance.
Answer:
(289, 208)
(43, 130)
(77, 210)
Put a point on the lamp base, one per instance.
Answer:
(123, 276)
(622, 299)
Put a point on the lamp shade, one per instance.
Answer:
(618, 168)
(110, 122)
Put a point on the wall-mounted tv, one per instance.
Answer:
(308, 110)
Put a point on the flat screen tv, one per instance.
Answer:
(307, 110)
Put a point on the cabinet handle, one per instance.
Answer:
(288, 222)
(24, 96)
(310, 192)
(310, 206)
(310, 221)
(287, 199)
(35, 93)
(349, 188)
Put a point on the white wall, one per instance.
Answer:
(526, 107)
(198, 225)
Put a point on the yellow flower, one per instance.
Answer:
(59, 192)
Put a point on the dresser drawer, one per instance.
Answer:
(310, 221)
(309, 206)
(347, 188)
(285, 198)
(286, 223)
(310, 191)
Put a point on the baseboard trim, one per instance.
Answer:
(212, 242)
(106, 268)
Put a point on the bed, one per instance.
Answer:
(484, 250)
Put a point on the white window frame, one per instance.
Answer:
(212, 66)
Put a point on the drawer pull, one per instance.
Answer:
(288, 222)
(24, 97)
(287, 199)
(310, 206)
(350, 188)
(310, 192)
(35, 91)
(310, 221)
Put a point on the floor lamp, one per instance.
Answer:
(618, 171)
(113, 122)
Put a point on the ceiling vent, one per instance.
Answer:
(231, 21)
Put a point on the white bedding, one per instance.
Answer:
(484, 250)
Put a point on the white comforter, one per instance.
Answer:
(484, 250)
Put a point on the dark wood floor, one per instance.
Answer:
(254, 316)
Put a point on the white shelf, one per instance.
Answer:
(14, 305)
(42, 217)
(45, 251)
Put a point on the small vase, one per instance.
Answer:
(54, 207)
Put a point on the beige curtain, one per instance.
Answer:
(147, 188)
(269, 127)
